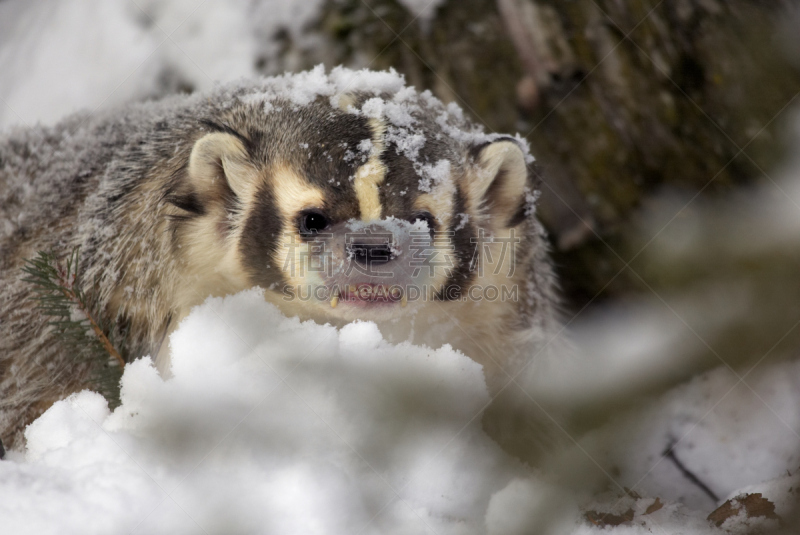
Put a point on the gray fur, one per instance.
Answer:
(115, 184)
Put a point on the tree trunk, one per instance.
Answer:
(618, 99)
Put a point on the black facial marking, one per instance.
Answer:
(400, 186)
(333, 149)
(319, 144)
(462, 241)
(260, 240)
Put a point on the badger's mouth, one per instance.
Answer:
(369, 294)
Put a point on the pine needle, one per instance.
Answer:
(75, 321)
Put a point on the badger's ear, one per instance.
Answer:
(498, 184)
(220, 158)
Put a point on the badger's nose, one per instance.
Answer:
(370, 254)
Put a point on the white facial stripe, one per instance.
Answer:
(366, 183)
(371, 174)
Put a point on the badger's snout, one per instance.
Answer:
(369, 255)
(371, 247)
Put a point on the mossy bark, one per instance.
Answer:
(618, 99)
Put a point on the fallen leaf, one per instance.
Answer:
(653, 507)
(753, 504)
(608, 519)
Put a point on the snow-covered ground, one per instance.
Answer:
(273, 426)
(270, 425)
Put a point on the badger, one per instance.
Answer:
(343, 196)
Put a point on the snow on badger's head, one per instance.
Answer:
(352, 195)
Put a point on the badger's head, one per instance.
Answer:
(360, 206)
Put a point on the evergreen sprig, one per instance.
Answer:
(75, 320)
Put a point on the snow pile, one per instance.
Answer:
(300, 89)
(268, 425)
(683, 463)
(728, 433)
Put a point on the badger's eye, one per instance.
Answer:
(427, 217)
(312, 221)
